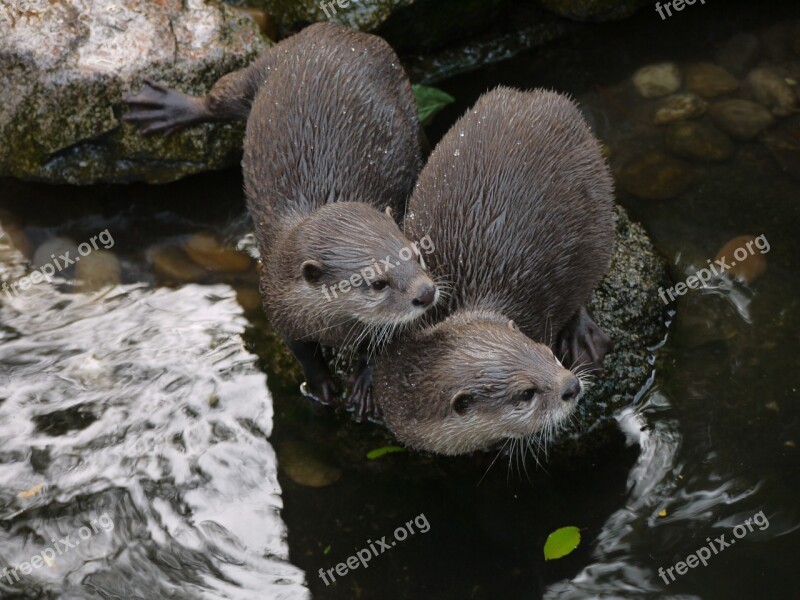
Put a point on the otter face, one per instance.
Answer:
(489, 382)
(361, 267)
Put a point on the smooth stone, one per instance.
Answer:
(679, 107)
(698, 140)
(772, 90)
(248, 298)
(656, 176)
(14, 234)
(743, 119)
(783, 142)
(709, 80)
(97, 270)
(56, 247)
(739, 54)
(208, 251)
(749, 269)
(777, 41)
(173, 264)
(303, 467)
(655, 81)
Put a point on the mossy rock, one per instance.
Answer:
(595, 10)
(65, 66)
(407, 24)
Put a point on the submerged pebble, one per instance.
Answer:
(655, 81)
(744, 257)
(772, 90)
(57, 252)
(303, 467)
(698, 140)
(173, 264)
(656, 176)
(679, 107)
(743, 119)
(208, 251)
(783, 142)
(708, 80)
(98, 270)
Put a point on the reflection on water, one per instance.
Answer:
(143, 404)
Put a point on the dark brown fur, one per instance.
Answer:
(518, 203)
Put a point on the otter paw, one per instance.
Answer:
(156, 109)
(583, 345)
(361, 399)
(323, 391)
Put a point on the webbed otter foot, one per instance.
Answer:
(156, 109)
(319, 383)
(361, 396)
(582, 345)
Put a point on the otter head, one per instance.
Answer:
(357, 265)
(470, 382)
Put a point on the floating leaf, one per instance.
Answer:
(561, 542)
(378, 452)
(430, 101)
(327, 550)
(32, 492)
(662, 512)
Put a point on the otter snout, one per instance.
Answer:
(425, 296)
(571, 388)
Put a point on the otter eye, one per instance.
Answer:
(526, 396)
(379, 285)
(461, 402)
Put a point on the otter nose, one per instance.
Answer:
(425, 296)
(571, 389)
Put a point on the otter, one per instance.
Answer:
(332, 138)
(518, 202)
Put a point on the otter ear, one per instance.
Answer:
(461, 402)
(389, 212)
(312, 271)
(513, 326)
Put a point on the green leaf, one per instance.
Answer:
(561, 542)
(430, 101)
(327, 550)
(378, 452)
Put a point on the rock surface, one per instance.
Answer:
(709, 80)
(698, 140)
(595, 10)
(656, 176)
(65, 65)
(679, 107)
(742, 119)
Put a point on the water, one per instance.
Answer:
(165, 405)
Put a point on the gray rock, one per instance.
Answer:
(655, 81)
(65, 65)
(742, 119)
(656, 176)
(739, 54)
(709, 80)
(698, 140)
(770, 89)
(679, 107)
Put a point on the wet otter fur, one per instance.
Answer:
(332, 140)
(518, 202)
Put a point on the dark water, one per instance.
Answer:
(145, 405)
